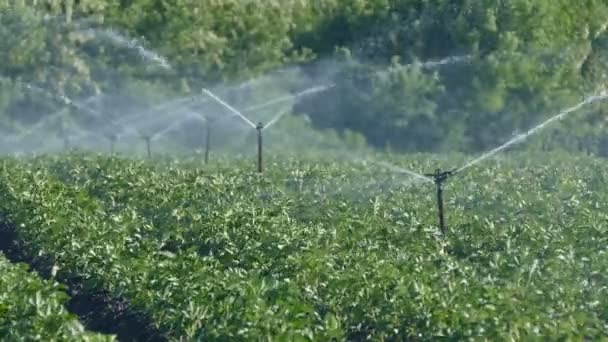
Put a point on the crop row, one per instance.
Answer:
(34, 309)
(321, 251)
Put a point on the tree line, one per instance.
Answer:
(513, 62)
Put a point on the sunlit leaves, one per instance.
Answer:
(33, 310)
(325, 249)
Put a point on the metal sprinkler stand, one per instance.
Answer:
(112, 139)
(65, 138)
(259, 128)
(66, 143)
(439, 177)
(207, 142)
(147, 139)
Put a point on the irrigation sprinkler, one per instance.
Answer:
(438, 178)
(534, 130)
(259, 127)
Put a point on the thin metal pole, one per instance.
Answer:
(64, 137)
(440, 207)
(439, 177)
(207, 142)
(112, 145)
(148, 149)
(66, 143)
(259, 128)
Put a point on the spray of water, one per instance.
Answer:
(521, 137)
(397, 169)
(180, 101)
(38, 125)
(229, 107)
(175, 125)
(276, 118)
(447, 61)
(158, 113)
(131, 43)
(66, 100)
(49, 118)
(286, 98)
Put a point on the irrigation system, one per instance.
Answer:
(438, 177)
(261, 127)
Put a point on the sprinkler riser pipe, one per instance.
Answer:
(148, 148)
(440, 208)
(207, 143)
(66, 144)
(259, 128)
(439, 177)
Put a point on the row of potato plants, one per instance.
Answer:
(33, 309)
(320, 250)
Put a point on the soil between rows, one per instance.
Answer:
(97, 310)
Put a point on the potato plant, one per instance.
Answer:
(322, 250)
(32, 309)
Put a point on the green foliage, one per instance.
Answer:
(528, 58)
(32, 309)
(525, 59)
(321, 250)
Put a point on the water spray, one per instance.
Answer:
(287, 98)
(259, 127)
(521, 137)
(131, 43)
(438, 178)
(229, 107)
(63, 99)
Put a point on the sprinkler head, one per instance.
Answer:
(260, 126)
(440, 176)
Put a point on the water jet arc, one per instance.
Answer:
(230, 108)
